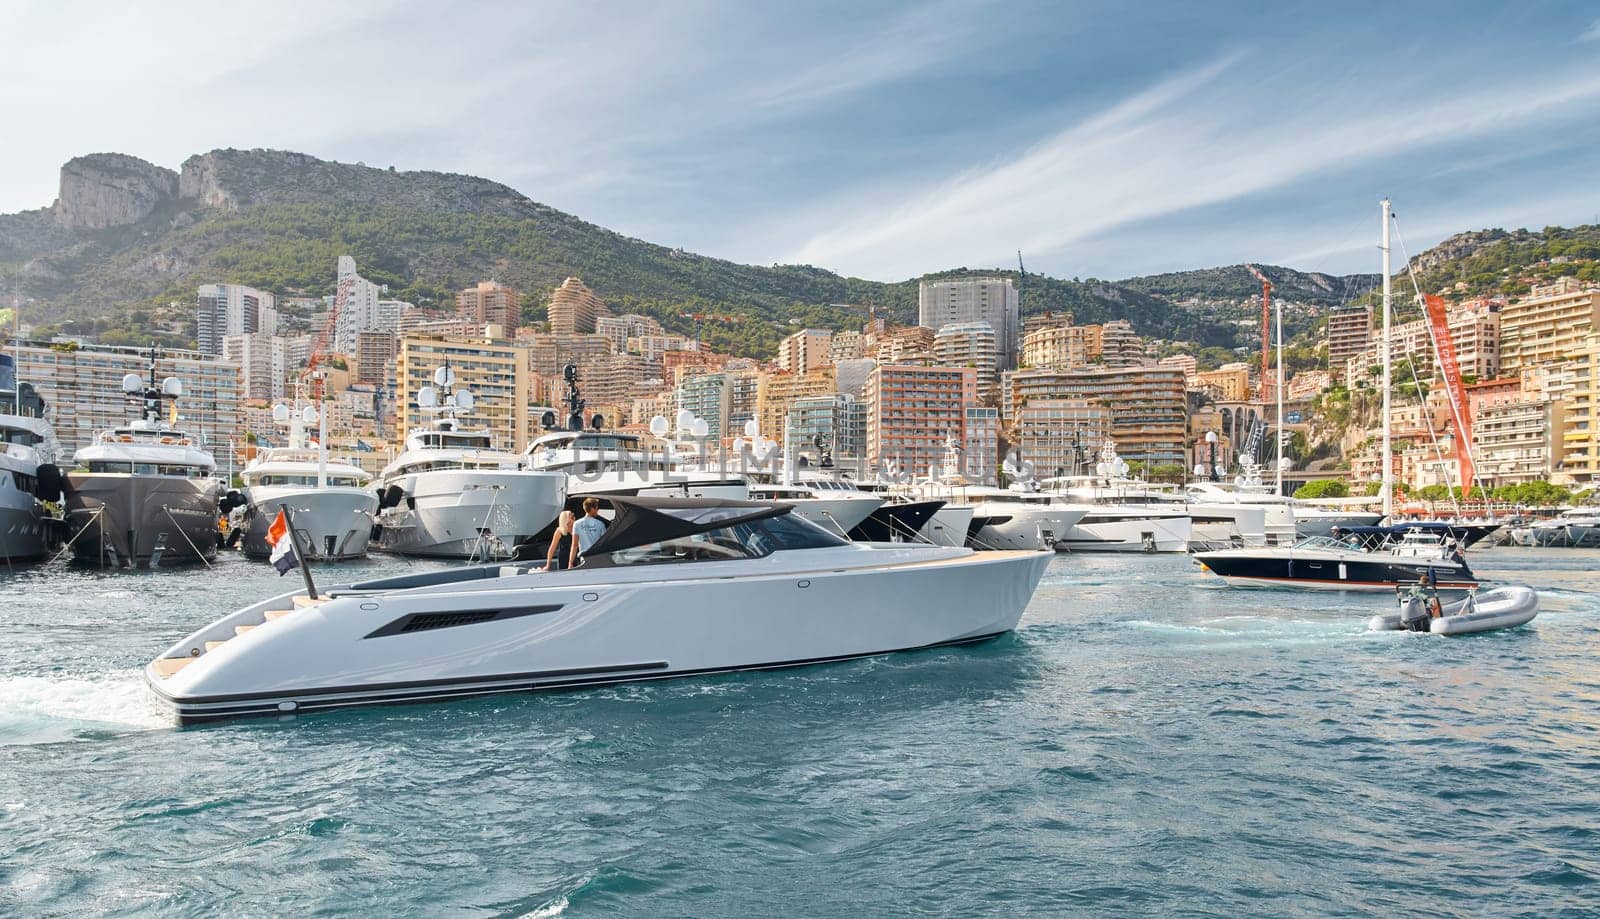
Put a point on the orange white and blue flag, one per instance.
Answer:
(283, 555)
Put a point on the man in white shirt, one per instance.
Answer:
(588, 530)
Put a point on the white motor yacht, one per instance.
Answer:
(331, 504)
(1017, 517)
(1121, 517)
(1575, 527)
(146, 494)
(1248, 490)
(450, 495)
(608, 463)
(675, 587)
(28, 474)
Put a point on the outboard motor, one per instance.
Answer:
(1414, 614)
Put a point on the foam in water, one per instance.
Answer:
(40, 709)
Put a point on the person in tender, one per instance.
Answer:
(587, 530)
(560, 543)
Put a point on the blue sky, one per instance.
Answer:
(880, 140)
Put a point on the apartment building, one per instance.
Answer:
(776, 394)
(971, 344)
(574, 309)
(490, 302)
(1060, 436)
(1229, 383)
(980, 444)
(1552, 321)
(805, 350)
(266, 362)
(1148, 408)
(912, 411)
(991, 300)
(497, 373)
(620, 329)
(1057, 346)
(83, 388)
(838, 418)
(375, 351)
(1349, 334)
(232, 309)
(361, 310)
(1476, 331)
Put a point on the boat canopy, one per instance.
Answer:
(641, 521)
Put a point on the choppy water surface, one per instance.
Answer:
(1149, 741)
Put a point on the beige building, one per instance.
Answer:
(1475, 332)
(265, 362)
(1548, 324)
(574, 309)
(83, 388)
(913, 345)
(848, 345)
(490, 302)
(804, 351)
(620, 329)
(375, 351)
(776, 394)
(1058, 346)
(1230, 382)
(1120, 345)
(497, 372)
(548, 354)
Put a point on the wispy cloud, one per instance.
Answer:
(1592, 33)
(1186, 142)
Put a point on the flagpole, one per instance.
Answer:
(305, 558)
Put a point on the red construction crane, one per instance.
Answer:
(324, 338)
(1264, 390)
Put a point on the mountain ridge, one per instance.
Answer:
(126, 236)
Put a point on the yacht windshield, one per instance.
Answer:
(750, 539)
(19, 436)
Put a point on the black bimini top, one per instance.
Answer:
(641, 521)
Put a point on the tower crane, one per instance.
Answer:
(324, 342)
(1266, 329)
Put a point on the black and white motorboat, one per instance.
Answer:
(1325, 563)
(144, 495)
(675, 587)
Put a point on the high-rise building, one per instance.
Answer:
(497, 373)
(847, 346)
(548, 354)
(574, 309)
(913, 411)
(83, 387)
(1046, 320)
(708, 396)
(360, 309)
(1184, 362)
(1548, 324)
(1060, 436)
(619, 330)
(491, 302)
(614, 379)
(1349, 334)
(1475, 330)
(777, 392)
(266, 362)
(804, 351)
(991, 300)
(970, 344)
(912, 345)
(375, 352)
(1148, 409)
(232, 309)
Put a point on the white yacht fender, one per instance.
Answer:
(675, 587)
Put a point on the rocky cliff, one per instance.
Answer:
(104, 190)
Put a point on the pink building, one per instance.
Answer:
(913, 411)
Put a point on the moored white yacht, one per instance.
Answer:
(1248, 490)
(146, 494)
(603, 462)
(28, 474)
(1114, 523)
(330, 503)
(451, 495)
(1017, 517)
(675, 587)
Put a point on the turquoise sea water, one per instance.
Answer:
(1148, 742)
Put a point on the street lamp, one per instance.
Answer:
(1211, 442)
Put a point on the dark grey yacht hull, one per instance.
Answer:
(141, 521)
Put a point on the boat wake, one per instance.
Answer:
(1239, 631)
(49, 709)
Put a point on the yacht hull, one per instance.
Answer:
(139, 521)
(1118, 532)
(1318, 570)
(949, 526)
(1309, 523)
(469, 513)
(836, 515)
(1020, 527)
(26, 530)
(331, 524)
(542, 631)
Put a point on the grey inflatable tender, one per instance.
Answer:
(1500, 608)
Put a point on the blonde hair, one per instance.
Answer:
(565, 521)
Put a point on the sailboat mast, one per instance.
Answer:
(1388, 360)
(1282, 431)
